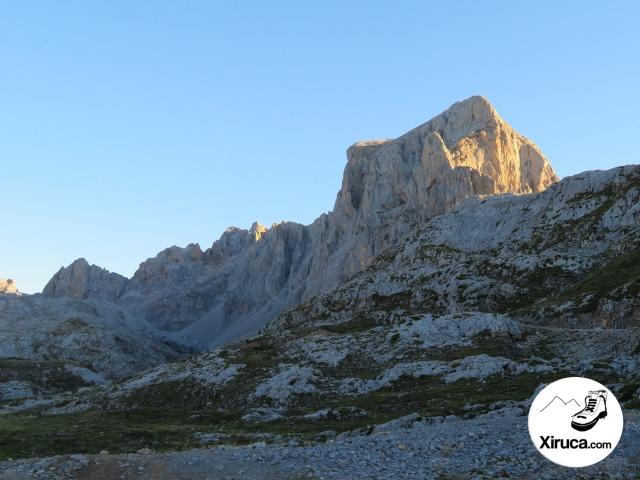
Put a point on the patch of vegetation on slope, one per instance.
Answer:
(117, 432)
(165, 429)
(50, 375)
(617, 279)
(256, 356)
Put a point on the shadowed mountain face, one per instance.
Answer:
(81, 280)
(94, 334)
(389, 189)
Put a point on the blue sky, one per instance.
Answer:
(127, 127)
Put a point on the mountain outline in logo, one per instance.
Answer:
(565, 404)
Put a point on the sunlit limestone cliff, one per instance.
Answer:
(8, 287)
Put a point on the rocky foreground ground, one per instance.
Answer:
(492, 445)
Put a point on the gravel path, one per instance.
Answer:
(491, 446)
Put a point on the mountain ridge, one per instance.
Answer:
(389, 188)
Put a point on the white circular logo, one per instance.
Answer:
(575, 422)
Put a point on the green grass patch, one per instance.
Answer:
(430, 396)
(623, 270)
(618, 278)
(359, 323)
(629, 389)
(48, 375)
(392, 301)
(170, 428)
(495, 346)
(257, 353)
(118, 432)
(186, 394)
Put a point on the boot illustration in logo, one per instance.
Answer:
(595, 408)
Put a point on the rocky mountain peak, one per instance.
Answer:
(462, 119)
(172, 264)
(82, 280)
(469, 143)
(233, 241)
(257, 230)
(391, 187)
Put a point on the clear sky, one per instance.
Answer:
(127, 127)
